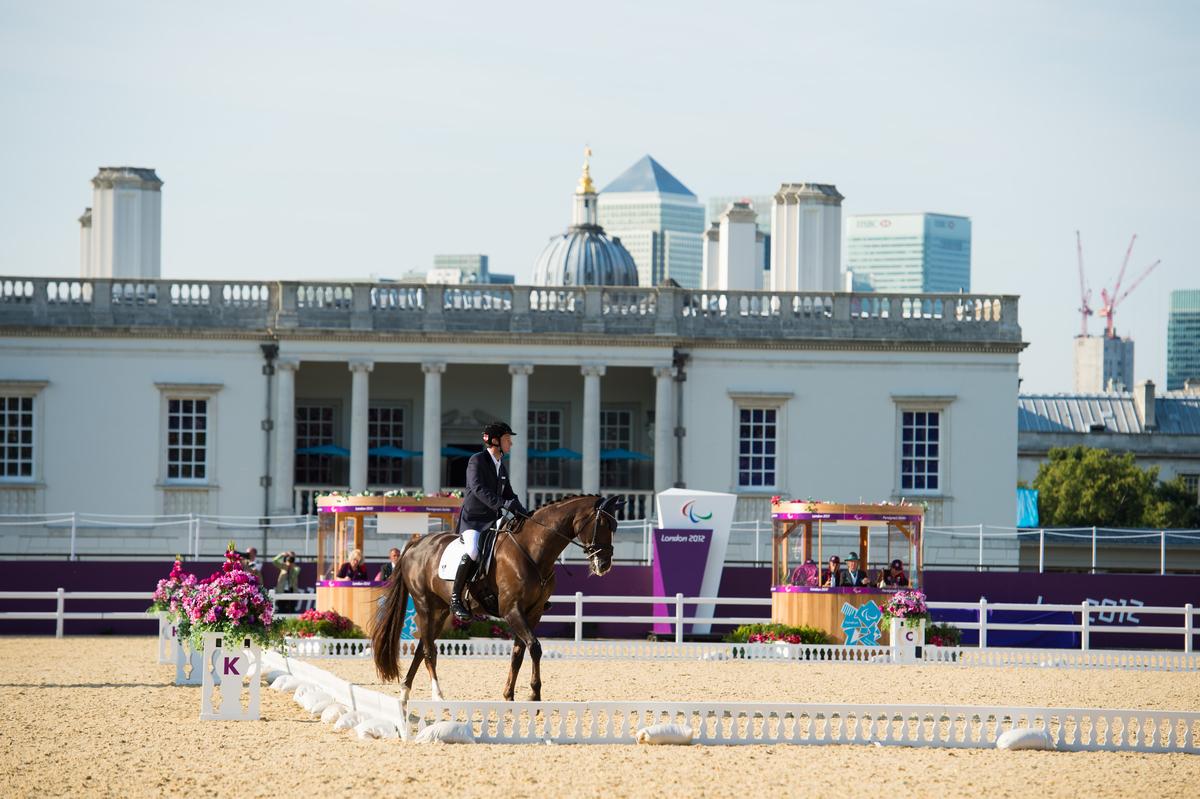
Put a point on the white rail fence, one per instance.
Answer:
(981, 547)
(678, 620)
(714, 723)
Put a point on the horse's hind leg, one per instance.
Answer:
(514, 668)
(437, 618)
(418, 656)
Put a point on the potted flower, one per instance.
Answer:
(231, 601)
(167, 604)
(907, 613)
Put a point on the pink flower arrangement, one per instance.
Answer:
(769, 637)
(231, 600)
(906, 606)
(173, 589)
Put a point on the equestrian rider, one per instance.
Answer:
(488, 494)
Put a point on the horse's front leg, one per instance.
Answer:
(514, 668)
(521, 632)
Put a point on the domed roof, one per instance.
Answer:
(584, 256)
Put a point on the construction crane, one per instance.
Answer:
(1085, 293)
(1110, 301)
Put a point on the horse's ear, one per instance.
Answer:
(611, 504)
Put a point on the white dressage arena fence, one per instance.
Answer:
(947, 726)
(231, 684)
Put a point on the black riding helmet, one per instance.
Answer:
(495, 431)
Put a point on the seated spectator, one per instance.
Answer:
(833, 575)
(805, 574)
(854, 576)
(894, 576)
(385, 571)
(354, 569)
(288, 581)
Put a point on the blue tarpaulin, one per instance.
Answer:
(1027, 507)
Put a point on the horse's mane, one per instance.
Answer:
(561, 500)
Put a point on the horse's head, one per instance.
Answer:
(597, 538)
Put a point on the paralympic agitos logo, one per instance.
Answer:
(689, 511)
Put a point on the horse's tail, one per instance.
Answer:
(389, 622)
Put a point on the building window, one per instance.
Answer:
(16, 436)
(920, 451)
(616, 432)
(187, 439)
(757, 441)
(545, 433)
(1192, 483)
(385, 428)
(314, 428)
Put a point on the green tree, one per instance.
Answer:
(1082, 487)
(1174, 507)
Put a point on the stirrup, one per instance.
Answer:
(456, 607)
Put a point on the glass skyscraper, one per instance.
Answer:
(1183, 338)
(658, 219)
(909, 252)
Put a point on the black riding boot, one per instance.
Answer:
(456, 592)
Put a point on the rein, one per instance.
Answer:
(591, 549)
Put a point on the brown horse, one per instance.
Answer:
(517, 586)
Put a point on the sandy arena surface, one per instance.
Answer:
(99, 717)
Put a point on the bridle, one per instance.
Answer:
(590, 549)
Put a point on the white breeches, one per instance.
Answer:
(471, 539)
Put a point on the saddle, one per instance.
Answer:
(476, 588)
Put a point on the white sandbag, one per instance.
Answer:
(333, 712)
(318, 706)
(310, 701)
(303, 690)
(664, 734)
(1025, 738)
(273, 675)
(446, 732)
(376, 728)
(286, 683)
(349, 720)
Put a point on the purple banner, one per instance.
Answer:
(679, 559)
(388, 509)
(348, 584)
(848, 589)
(850, 517)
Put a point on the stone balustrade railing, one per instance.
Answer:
(433, 308)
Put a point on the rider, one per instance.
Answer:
(488, 494)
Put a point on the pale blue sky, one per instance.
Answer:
(306, 140)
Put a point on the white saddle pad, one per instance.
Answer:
(451, 557)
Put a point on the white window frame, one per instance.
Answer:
(336, 406)
(941, 405)
(33, 390)
(189, 391)
(759, 400)
(406, 408)
(633, 410)
(564, 412)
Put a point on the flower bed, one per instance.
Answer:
(318, 624)
(476, 628)
(777, 634)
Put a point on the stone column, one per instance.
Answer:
(285, 434)
(591, 427)
(518, 458)
(664, 427)
(360, 372)
(431, 459)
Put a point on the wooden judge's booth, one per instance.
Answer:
(342, 529)
(801, 596)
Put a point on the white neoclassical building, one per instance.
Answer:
(168, 396)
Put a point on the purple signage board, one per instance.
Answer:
(679, 560)
(388, 509)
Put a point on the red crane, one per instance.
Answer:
(1111, 300)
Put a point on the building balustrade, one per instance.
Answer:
(387, 307)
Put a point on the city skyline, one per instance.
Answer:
(338, 145)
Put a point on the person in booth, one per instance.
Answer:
(833, 575)
(354, 569)
(805, 574)
(854, 576)
(894, 576)
(488, 494)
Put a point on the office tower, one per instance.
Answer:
(659, 220)
(1183, 338)
(909, 252)
(1103, 364)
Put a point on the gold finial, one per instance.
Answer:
(585, 180)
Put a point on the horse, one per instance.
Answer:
(520, 581)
